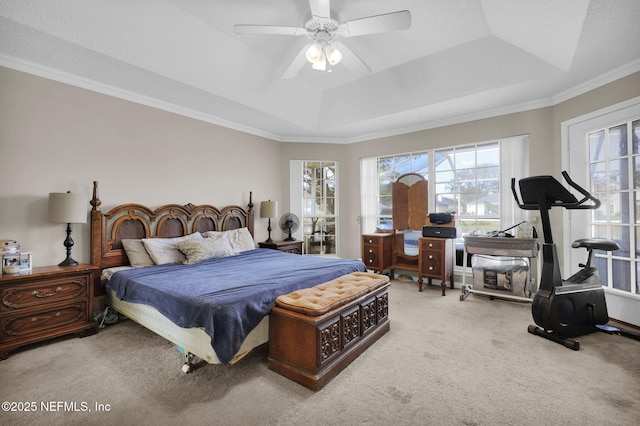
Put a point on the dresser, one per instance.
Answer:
(377, 251)
(435, 260)
(47, 302)
(294, 247)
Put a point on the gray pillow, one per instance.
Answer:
(137, 254)
(165, 250)
(207, 248)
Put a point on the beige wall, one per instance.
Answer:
(52, 136)
(542, 125)
(55, 138)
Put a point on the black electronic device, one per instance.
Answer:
(572, 307)
(439, 231)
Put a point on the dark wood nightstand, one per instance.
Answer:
(294, 247)
(47, 302)
(377, 251)
(436, 257)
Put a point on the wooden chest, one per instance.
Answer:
(312, 350)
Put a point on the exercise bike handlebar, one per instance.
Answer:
(587, 196)
(577, 204)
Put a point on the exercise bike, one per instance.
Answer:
(575, 306)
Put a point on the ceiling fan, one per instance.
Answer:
(324, 51)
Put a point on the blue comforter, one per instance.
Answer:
(229, 296)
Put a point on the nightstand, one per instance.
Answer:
(46, 302)
(294, 247)
(377, 251)
(435, 260)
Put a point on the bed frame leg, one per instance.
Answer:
(188, 362)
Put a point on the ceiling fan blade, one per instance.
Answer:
(320, 8)
(268, 29)
(352, 61)
(394, 21)
(296, 65)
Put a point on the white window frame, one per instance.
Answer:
(622, 305)
(514, 163)
(296, 198)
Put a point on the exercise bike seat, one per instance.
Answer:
(596, 244)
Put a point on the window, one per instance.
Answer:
(469, 180)
(602, 153)
(389, 169)
(319, 207)
(614, 170)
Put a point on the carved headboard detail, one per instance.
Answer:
(170, 220)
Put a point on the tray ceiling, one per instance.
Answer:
(460, 60)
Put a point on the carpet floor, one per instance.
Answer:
(444, 362)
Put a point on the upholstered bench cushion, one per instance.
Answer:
(324, 297)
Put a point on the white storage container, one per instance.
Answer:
(502, 275)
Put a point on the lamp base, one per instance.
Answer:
(68, 262)
(68, 243)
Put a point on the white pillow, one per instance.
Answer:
(165, 250)
(206, 248)
(240, 239)
(137, 254)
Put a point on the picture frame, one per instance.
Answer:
(26, 261)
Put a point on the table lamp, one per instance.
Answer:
(67, 208)
(268, 210)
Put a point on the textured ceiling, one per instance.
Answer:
(460, 60)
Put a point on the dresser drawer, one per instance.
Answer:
(432, 263)
(19, 326)
(369, 239)
(434, 244)
(370, 256)
(43, 292)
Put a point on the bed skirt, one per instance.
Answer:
(192, 340)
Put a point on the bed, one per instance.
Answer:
(213, 307)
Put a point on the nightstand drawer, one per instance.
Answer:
(44, 292)
(434, 244)
(18, 326)
(431, 263)
(370, 256)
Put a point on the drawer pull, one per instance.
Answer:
(431, 268)
(370, 241)
(430, 244)
(370, 251)
(36, 293)
(34, 319)
(430, 257)
(370, 260)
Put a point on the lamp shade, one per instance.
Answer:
(269, 209)
(67, 208)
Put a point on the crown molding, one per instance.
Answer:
(92, 85)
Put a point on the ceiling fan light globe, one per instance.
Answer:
(333, 55)
(320, 65)
(314, 53)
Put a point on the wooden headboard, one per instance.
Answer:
(170, 220)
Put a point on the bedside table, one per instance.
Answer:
(47, 302)
(294, 247)
(377, 251)
(435, 259)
